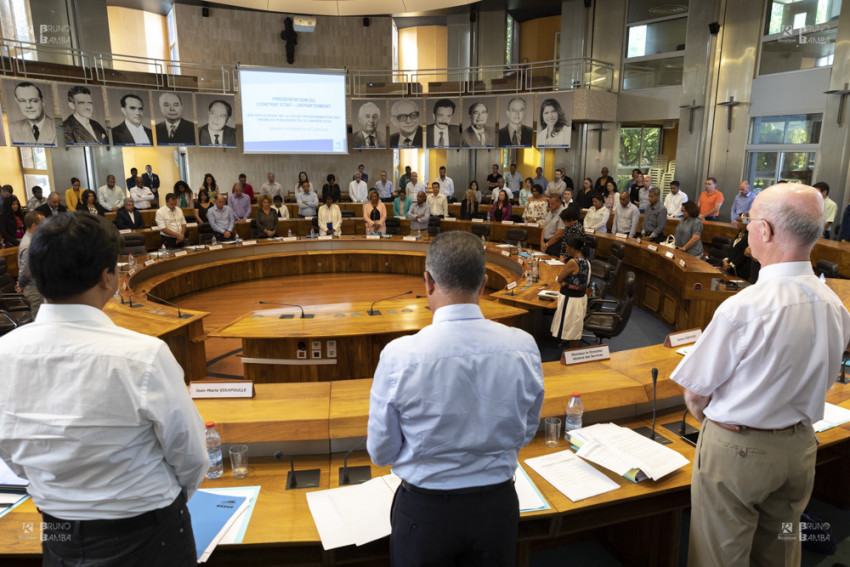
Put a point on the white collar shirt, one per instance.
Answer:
(597, 219)
(271, 189)
(437, 204)
(447, 186)
(673, 204)
(172, 219)
(358, 191)
(111, 198)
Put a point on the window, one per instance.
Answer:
(510, 39)
(173, 49)
(36, 170)
(799, 34)
(638, 147)
(655, 37)
(782, 148)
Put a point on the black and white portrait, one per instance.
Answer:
(174, 115)
(216, 122)
(554, 120)
(479, 121)
(515, 119)
(83, 115)
(406, 123)
(369, 123)
(30, 112)
(443, 129)
(130, 118)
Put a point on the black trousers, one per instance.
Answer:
(171, 242)
(220, 235)
(463, 528)
(157, 538)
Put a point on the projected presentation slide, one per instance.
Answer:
(293, 111)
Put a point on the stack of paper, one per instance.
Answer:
(625, 452)
(574, 478)
(832, 416)
(236, 532)
(13, 489)
(212, 516)
(554, 262)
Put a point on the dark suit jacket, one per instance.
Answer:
(452, 142)
(204, 138)
(124, 222)
(505, 137)
(45, 209)
(471, 139)
(359, 140)
(75, 133)
(465, 213)
(183, 136)
(151, 180)
(121, 135)
(743, 264)
(417, 139)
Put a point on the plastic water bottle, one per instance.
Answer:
(419, 234)
(131, 263)
(312, 233)
(162, 250)
(535, 271)
(214, 451)
(574, 412)
(213, 242)
(289, 233)
(483, 242)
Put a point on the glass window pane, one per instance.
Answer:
(649, 74)
(660, 37)
(26, 158)
(630, 139)
(651, 145)
(786, 15)
(761, 168)
(640, 10)
(39, 156)
(790, 129)
(797, 166)
(803, 129)
(798, 51)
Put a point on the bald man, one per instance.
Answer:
(371, 134)
(757, 380)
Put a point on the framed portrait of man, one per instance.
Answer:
(406, 123)
(216, 120)
(129, 116)
(369, 124)
(83, 114)
(174, 118)
(515, 119)
(478, 129)
(30, 112)
(443, 129)
(554, 119)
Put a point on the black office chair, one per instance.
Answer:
(205, 233)
(517, 218)
(483, 215)
(481, 229)
(720, 248)
(7, 323)
(393, 225)
(590, 244)
(516, 235)
(255, 230)
(618, 249)
(434, 226)
(347, 214)
(608, 324)
(827, 268)
(600, 274)
(133, 243)
(616, 265)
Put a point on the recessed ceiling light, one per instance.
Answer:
(668, 10)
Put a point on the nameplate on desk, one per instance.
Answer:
(589, 231)
(307, 218)
(621, 235)
(325, 238)
(674, 340)
(510, 286)
(638, 240)
(507, 222)
(682, 263)
(289, 239)
(248, 242)
(669, 255)
(506, 253)
(125, 231)
(652, 247)
(181, 253)
(150, 263)
(222, 389)
(587, 354)
(448, 219)
(477, 220)
(191, 224)
(373, 237)
(409, 238)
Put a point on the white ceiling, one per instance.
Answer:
(347, 7)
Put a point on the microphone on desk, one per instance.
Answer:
(682, 429)
(354, 475)
(130, 302)
(654, 390)
(180, 314)
(372, 311)
(299, 479)
(286, 315)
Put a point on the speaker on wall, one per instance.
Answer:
(714, 28)
(365, 22)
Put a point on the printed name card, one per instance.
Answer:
(409, 238)
(125, 231)
(589, 231)
(669, 255)
(674, 340)
(507, 222)
(621, 235)
(449, 219)
(249, 242)
(373, 237)
(290, 238)
(222, 389)
(510, 286)
(652, 247)
(506, 253)
(150, 263)
(191, 224)
(308, 218)
(682, 263)
(587, 354)
(181, 253)
(477, 220)
(216, 247)
(325, 237)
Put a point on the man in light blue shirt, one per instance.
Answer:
(221, 219)
(513, 180)
(540, 180)
(308, 202)
(419, 213)
(239, 202)
(450, 409)
(384, 188)
(743, 200)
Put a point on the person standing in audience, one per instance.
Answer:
(330, 219)
(221, 220)
(540, 180)
(501, 209)
(689, 230)
(240, 203)
(185, 199)
(710, 201)
(568, 322)
(558, 185)
(331, 188)
(271, 187)
(246, 187)
(280, 207)
(405, 178)
(384, 187)
(500, 186)
(141, 195)
(53, 206)
(743, 201)
(37, 199)
(469, 206)
(112, 461)
(131, 181)
(203, 205)
(12, 227)
(302, 177)
(358, 191)
(626, 217)
(364, 177)
(88, 203)
(171, 223)
(634, 192)
(419, 213)
(210, 186)
(447, 186)
(474, 186)
(484, 383)
(573, 227)
(756, 379)
(72, 194)
(401, 204)
(603, 180)
(739, 263)
(584, 196)
(437, 203)
(413, 186)
(610, 198)
(535, 207)
(111, 196)
(26, 285)
(674, 200)
(267, 218)
(643, 195)
(655, 217)
(553, 226)
(308, 201)
(151, 179)
(493, 178)
(513, 179)
(128, 218)
(375, 215)
(597, 216)
(829, 207)
(632, 179)
(525, 192)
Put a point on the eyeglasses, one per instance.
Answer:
(407, 117)
(747, 219)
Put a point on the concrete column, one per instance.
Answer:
(834, 167)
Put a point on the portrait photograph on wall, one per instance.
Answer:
(216, 123)
(406, 123)
(443, 129)
(30, 112)
(479, 121)
(83, 114)
(174, 118)
(515, 118)
(368, 123)
(129, 117)
(554, 120)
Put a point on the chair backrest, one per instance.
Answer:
(515, 235)
(600, 273)
(433, 230)
(7, 284)
(590, 241)
(624, 307)
(7, 323)
(618, 249)
(133, 243)
(616, 264)
(517, 218)
(827, 268)
(434, 221)
(3, 267)
(347, 214)
(481, 229)
(14, 302)
(393, 225)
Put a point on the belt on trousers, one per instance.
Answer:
(739, 428)
(118, 526)
(456, 491)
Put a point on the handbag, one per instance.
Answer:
(670, 242)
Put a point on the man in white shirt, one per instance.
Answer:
(358, 191)
(171, 223)
(756, 380)
(829, 207)
(111, 461)
(37, 199)
(111, 195)
(141, 195)
(437, 203)
(447, 186)
(271, 188)
(674, 200)
(513, 180)
(500, 186)
(626, 217)
(558, 185)
(414, 186)
(384, 187)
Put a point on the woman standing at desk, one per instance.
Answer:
(375, 214)
(502, 208)
(185, 199)
(203, 205)
(210, 186)
(266, 218)
(536, 206)
(88, 203)
(525, 192)
(689, 231)
(401, 203)
(330, 218)
(568, 322)
(469, 206)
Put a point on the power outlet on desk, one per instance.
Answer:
(331, 349)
